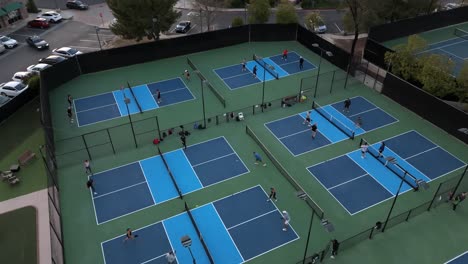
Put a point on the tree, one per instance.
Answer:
(404, 60)
(31, 7)
(286, 13)
(143, 18)
(462, 80)
(208, 10)
(259, 11)
(435, 74)
(237, 21)
(313, 20)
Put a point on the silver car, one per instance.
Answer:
(8, 42)
(12, 88)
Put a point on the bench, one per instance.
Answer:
(26, 157)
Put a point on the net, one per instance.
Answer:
(311, 203)
(190, 63)
(461, 33)
(170, 173)
(199, 233)
(337, 123)
(395, 168)
(134, 97)
(266, 66)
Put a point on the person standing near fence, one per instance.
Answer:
(70, 114)
(69, 99)
(458, 199)
(347, 105)
(244, 63)
(187, 75)
(301, 63)
(314, 130)
(286, 220)
(364, 148)
(335, 246)
(90, 185)
(272, 194)
(87, 167)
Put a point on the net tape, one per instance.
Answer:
(338, 124)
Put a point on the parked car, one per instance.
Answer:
(4, 100)
(39, 23)
(73, 4)
(450, 6)
(51, 16)
(52, 59)
(37, 42)
(66, 52)
(320, 27)
(8, 42)
(2, 49)
(37, 68)
(12, 88)
(21, 76)
(183, 26)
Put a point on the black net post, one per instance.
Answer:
(434, 197)
(86, 146)
(409, 215)
(393, 205)
(333, 79)
(110, 140)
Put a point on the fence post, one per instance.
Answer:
(376, 78)
(112, 144)
(459, 182)
(333, 80)
(300, 88)
(433, 198)
(408, 216)
(253, 109)
(86, 146)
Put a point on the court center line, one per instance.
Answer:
(420, 153)
(234, 226)
(153, 258)
(247, 73)
(214, 159)
(348, 181)
(94, 108)
(99, 196)
(360, 113)
(293, 134)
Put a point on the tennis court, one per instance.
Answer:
(455, 48)
(334, 125)
(462, 259)
(111, 105)
(138, 185)
(359, 183)
(268, 69)
(235, 229)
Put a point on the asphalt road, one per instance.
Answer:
(65, 34)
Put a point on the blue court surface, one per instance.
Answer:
(106, 106)
(456, 49)
(297, 136)
(138, 185)
(462, 259)
(358, 183)
(235, 78)
(236, 229)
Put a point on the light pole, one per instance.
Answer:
(99, 40)
(203, 101)
(187, 242)
(155, 33)
(329, 54)
(308, 237)
(127, 101)
(263, 87)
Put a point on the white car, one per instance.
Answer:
(37, 68)
(66, 52)
(320, 27)
(9, 43)
(51, 16)
(2, 49)
(12, 88)
(4, 100)
(21, 76)
(450, 6)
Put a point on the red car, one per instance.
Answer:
(38, 23)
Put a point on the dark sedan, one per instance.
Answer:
(73, 4)
(37, 42)
(52, 59)
(39, 23)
